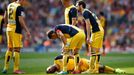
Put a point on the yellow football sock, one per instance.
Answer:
(109, 69)
(97, 62)
(16, 60)
(92, 61)
(8, 56)
(76, 61)
(65, 61)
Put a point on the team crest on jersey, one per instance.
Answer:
(22, 14)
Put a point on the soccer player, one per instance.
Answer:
(94, 27)
(1, 26)
(70, 12)
(14, 17)
(83, 66)
(77, 37)
(103, 23)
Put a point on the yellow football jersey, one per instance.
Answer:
(70, 65)
(102, 21)
(1, 18)
(11, 11)
(83, 64)
(14, 10)
(70, 12)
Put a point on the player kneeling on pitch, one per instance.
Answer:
(76, 36)
(83, 66)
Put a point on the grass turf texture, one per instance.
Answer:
(36, 64)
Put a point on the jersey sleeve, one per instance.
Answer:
(20, 11)
(73, 12)
(87, 15)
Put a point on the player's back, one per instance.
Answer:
(70, 64)
(83, 64)
(69, 13)
(95, 22)
(67, 29)
(13, 12)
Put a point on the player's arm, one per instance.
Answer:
(74, 16)
(87, 20)
(20, 12)
(61, 36)
(5, 18)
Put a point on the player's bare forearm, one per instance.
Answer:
(23, 24)
(74, 21)
(61, 36)
(88, 28)
(5, 18)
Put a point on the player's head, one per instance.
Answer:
(101, 13)
(51, 34)
(80, 5)
(20, 1)
(52, 69)
(66, 3)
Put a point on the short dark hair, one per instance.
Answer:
(101, 13)
(80, 2)
(51, 69)
(49, 33)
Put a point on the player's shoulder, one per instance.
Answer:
(86, 11)
(20, 8)
(58, 57)
(73, 8)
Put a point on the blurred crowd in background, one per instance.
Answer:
(42, 15)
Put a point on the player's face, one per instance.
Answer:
(22, 2)
(54, 36)
(78, 7)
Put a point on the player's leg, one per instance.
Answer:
(17, 45)
(108, 69)
(9, 51)
(16, 58)
(78, 40)
(96, 45)
(65, 61)
(94, 60)
(87, 49)
(76, 58)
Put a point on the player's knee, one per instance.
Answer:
(17, 49)
(10, 49)
(76, 52)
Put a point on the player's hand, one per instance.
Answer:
(28, 35)
(88, 41)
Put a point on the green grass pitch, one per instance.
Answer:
(36, 63)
